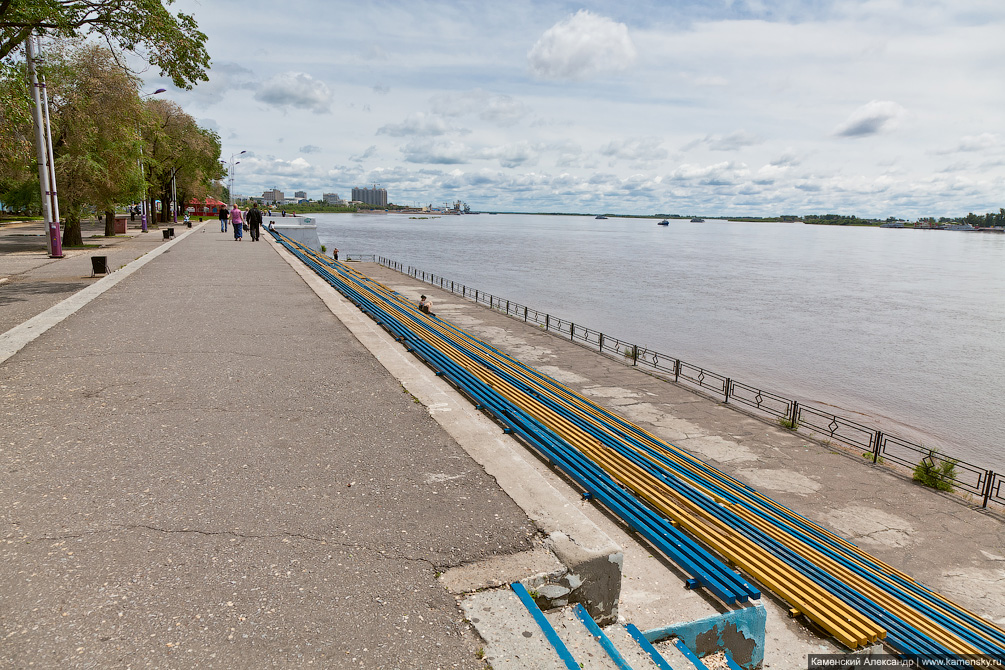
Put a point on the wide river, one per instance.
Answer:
(903, 330)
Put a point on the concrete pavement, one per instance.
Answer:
(204, 468)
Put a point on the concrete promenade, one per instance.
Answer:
(203, 468)
(218, 462)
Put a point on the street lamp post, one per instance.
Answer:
(143, 176)
(43, 144)
(230, 171)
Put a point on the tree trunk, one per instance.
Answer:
(71, 231)
(109, 223)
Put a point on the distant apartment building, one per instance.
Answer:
(332, 199)
(370, 196)
(300, 195)
(273, 197)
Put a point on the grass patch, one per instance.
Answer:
(788, 424)
(82, 246)
(867, 455)
(936, 471)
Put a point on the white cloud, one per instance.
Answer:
(639, 149)
(436, 152)
(970, 143)
(582, 46)
(872, 118)
(369, 152)
(296, 89)
(731, 142)
(512, 155)
(717, 174)
(310, 149)
(418, 124)
(501, 110)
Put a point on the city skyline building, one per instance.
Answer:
(376, 197)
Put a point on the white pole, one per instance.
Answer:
(40, 146)
(52, 161)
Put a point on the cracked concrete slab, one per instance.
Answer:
(867, 525)
(780, 480)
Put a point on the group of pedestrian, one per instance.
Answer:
(240, 220)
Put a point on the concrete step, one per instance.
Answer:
(581, 643)
(513, 638)
(677, 659)
(634, 656)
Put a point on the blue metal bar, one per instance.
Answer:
(690, 655)
(546, 627)
(730, 663)
(604, 641)
(648, 647)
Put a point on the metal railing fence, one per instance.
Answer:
(983, 485)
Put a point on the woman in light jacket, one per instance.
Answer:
(237, 220)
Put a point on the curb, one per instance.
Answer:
(592, 560)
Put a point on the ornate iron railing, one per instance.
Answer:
(984, 486)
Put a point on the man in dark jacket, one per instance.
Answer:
(255, 221)
(224, 215)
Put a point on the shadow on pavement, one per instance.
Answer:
(21, 291)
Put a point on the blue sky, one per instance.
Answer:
(871, 107)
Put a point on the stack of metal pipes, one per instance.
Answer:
(718, 530)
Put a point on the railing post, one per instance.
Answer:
(676, 370)
(729, 382)
(547, 321)
(525, 314)
(507, 308)
(601, 341)
(988, 485)
(572, 332)
(635, 354)
(476, 295)
(877, 447)
(451, 286)
(795, 414)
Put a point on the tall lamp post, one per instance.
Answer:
(231, 169)
(43, 145)
(143, 176)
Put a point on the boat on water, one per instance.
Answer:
(892, 225)
(664, 222)
(600, 216)
(697, 220)
(959, 226)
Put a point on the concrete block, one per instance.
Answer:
(741, 632)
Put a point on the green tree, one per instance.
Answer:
(170, 42)
(18, 178)
(176, 145)
(95, 112)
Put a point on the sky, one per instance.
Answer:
(876, 108)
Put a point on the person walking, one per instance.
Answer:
(224, 215)
(237, 220)
(335, 253)
(255, 222)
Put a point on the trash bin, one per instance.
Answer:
(171, 232)
(99, 265)
(120, 225)
(167, 233)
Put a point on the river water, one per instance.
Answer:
(903, 330)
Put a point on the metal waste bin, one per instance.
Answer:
(99, 265)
